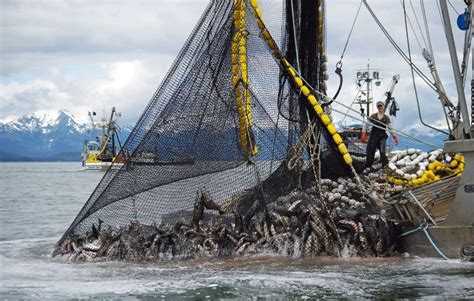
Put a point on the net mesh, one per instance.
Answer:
(189, 137)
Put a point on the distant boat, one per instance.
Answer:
(103, 151)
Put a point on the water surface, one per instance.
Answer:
(38, 201)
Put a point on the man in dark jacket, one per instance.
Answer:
(378, 135)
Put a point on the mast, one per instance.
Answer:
(457, 72)
(367, 76)
(368, 90)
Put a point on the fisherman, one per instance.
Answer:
(378, 136)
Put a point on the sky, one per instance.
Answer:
(84, 55)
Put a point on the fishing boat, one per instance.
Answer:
(248, 117)
(437, 217)
(99, 154)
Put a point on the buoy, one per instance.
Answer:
(463, 21)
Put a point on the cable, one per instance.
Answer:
(433, 61)
(400, 133)
(338, 70)
(399, 50)
(350, 33)
(413, 30)
(362, 120)
(353, 100)
(428, 36)
(452, 6)
(370, 123)
(467, 47)
(413, 75)
(294, 37)
(418, 22)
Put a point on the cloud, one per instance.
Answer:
(31, 96)
(127, 85)
(368, 45)
(82, 31)
(83, 55)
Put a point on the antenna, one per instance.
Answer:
(94, 131)
(367, 77)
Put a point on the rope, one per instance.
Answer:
(349, 108)
(440, 91)
(467, 49)
(314, 154)
(305, 142)
(428, 236)
(412, 28)
(440, 253)
(273, 142)
(298, 148)
(409, 232)
(298, 81)
(338, 70)
(421, 207)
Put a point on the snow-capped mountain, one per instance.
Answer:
(58, 135)
(44, 122)
(45, 134)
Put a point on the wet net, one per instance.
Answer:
(230, 128)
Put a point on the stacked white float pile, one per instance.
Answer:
(414, 167)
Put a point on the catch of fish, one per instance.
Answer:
(330, 219)
(333, 218)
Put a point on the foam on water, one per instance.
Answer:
(29, 272)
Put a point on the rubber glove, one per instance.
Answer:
(363, 137)
(395, 138)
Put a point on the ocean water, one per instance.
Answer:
(38, 201)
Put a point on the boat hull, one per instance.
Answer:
(100, 166)
(448, 239)
(454, 233)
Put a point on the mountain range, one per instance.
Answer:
(49, 136)
(59, 136)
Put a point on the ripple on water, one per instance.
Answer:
(39, 204)
(29, 272)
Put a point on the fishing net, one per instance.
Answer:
(227, 122)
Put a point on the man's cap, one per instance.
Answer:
(380, 103)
